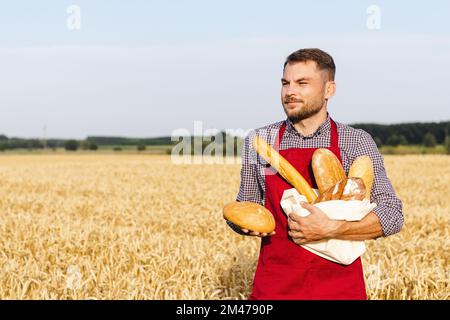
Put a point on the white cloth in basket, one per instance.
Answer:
(340, 251)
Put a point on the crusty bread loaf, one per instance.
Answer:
(362, 168)
(334, 192)
(354, 189)
(327, 169)
(249, 215)
(345, 189)
(284, 168)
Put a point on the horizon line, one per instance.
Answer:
(218, 130)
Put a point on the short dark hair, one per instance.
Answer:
(323, 60)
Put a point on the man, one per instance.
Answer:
(285, 270)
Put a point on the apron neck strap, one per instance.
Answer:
(334, 141)
(334, 135)
(276, 144)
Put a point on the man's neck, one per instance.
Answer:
(310, 125)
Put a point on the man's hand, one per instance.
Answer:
(246, 231)
(258, 234)
(315, 227)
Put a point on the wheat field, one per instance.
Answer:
(86, 226)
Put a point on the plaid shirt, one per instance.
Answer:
(352, 143)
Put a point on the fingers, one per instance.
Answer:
(308, 206)
(293, 217)
(298, 238)
(258, 234)
(293, 224)
(296, 235)
(300, 241)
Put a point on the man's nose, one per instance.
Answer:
(291, 91)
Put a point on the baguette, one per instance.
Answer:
(362, 168)
(327, 169)
(249, 215)
(284, 168)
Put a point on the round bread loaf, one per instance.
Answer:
(249, 215)
(354, 189)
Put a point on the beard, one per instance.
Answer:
(308, 109)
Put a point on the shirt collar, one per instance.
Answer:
(324, 128)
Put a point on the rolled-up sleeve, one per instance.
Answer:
(389, 206)
(249, 189)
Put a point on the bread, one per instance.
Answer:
(249, 215)
(345, 189)
(354, 189)
(362, 168)
(334, 192)
(284, 168)
(327, 169)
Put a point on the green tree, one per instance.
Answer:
(93, 146)
(84, 145)
(393, 140)
(429, 140)
(34, 144)
(447, 144)
(378, 142)
(71, 145)
(88, 145)
(402, 140)
(141, 146)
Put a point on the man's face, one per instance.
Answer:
(304, 90)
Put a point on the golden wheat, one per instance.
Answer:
(139, 227)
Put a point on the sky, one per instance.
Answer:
(147, 68)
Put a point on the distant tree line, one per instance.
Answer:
(428, 134)
(31, 144)
(225, 145)
(121, 141)
(74, 145)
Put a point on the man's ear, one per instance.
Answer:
(330, 89)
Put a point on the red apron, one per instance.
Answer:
(287, 271)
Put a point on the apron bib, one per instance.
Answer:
(287, 271)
